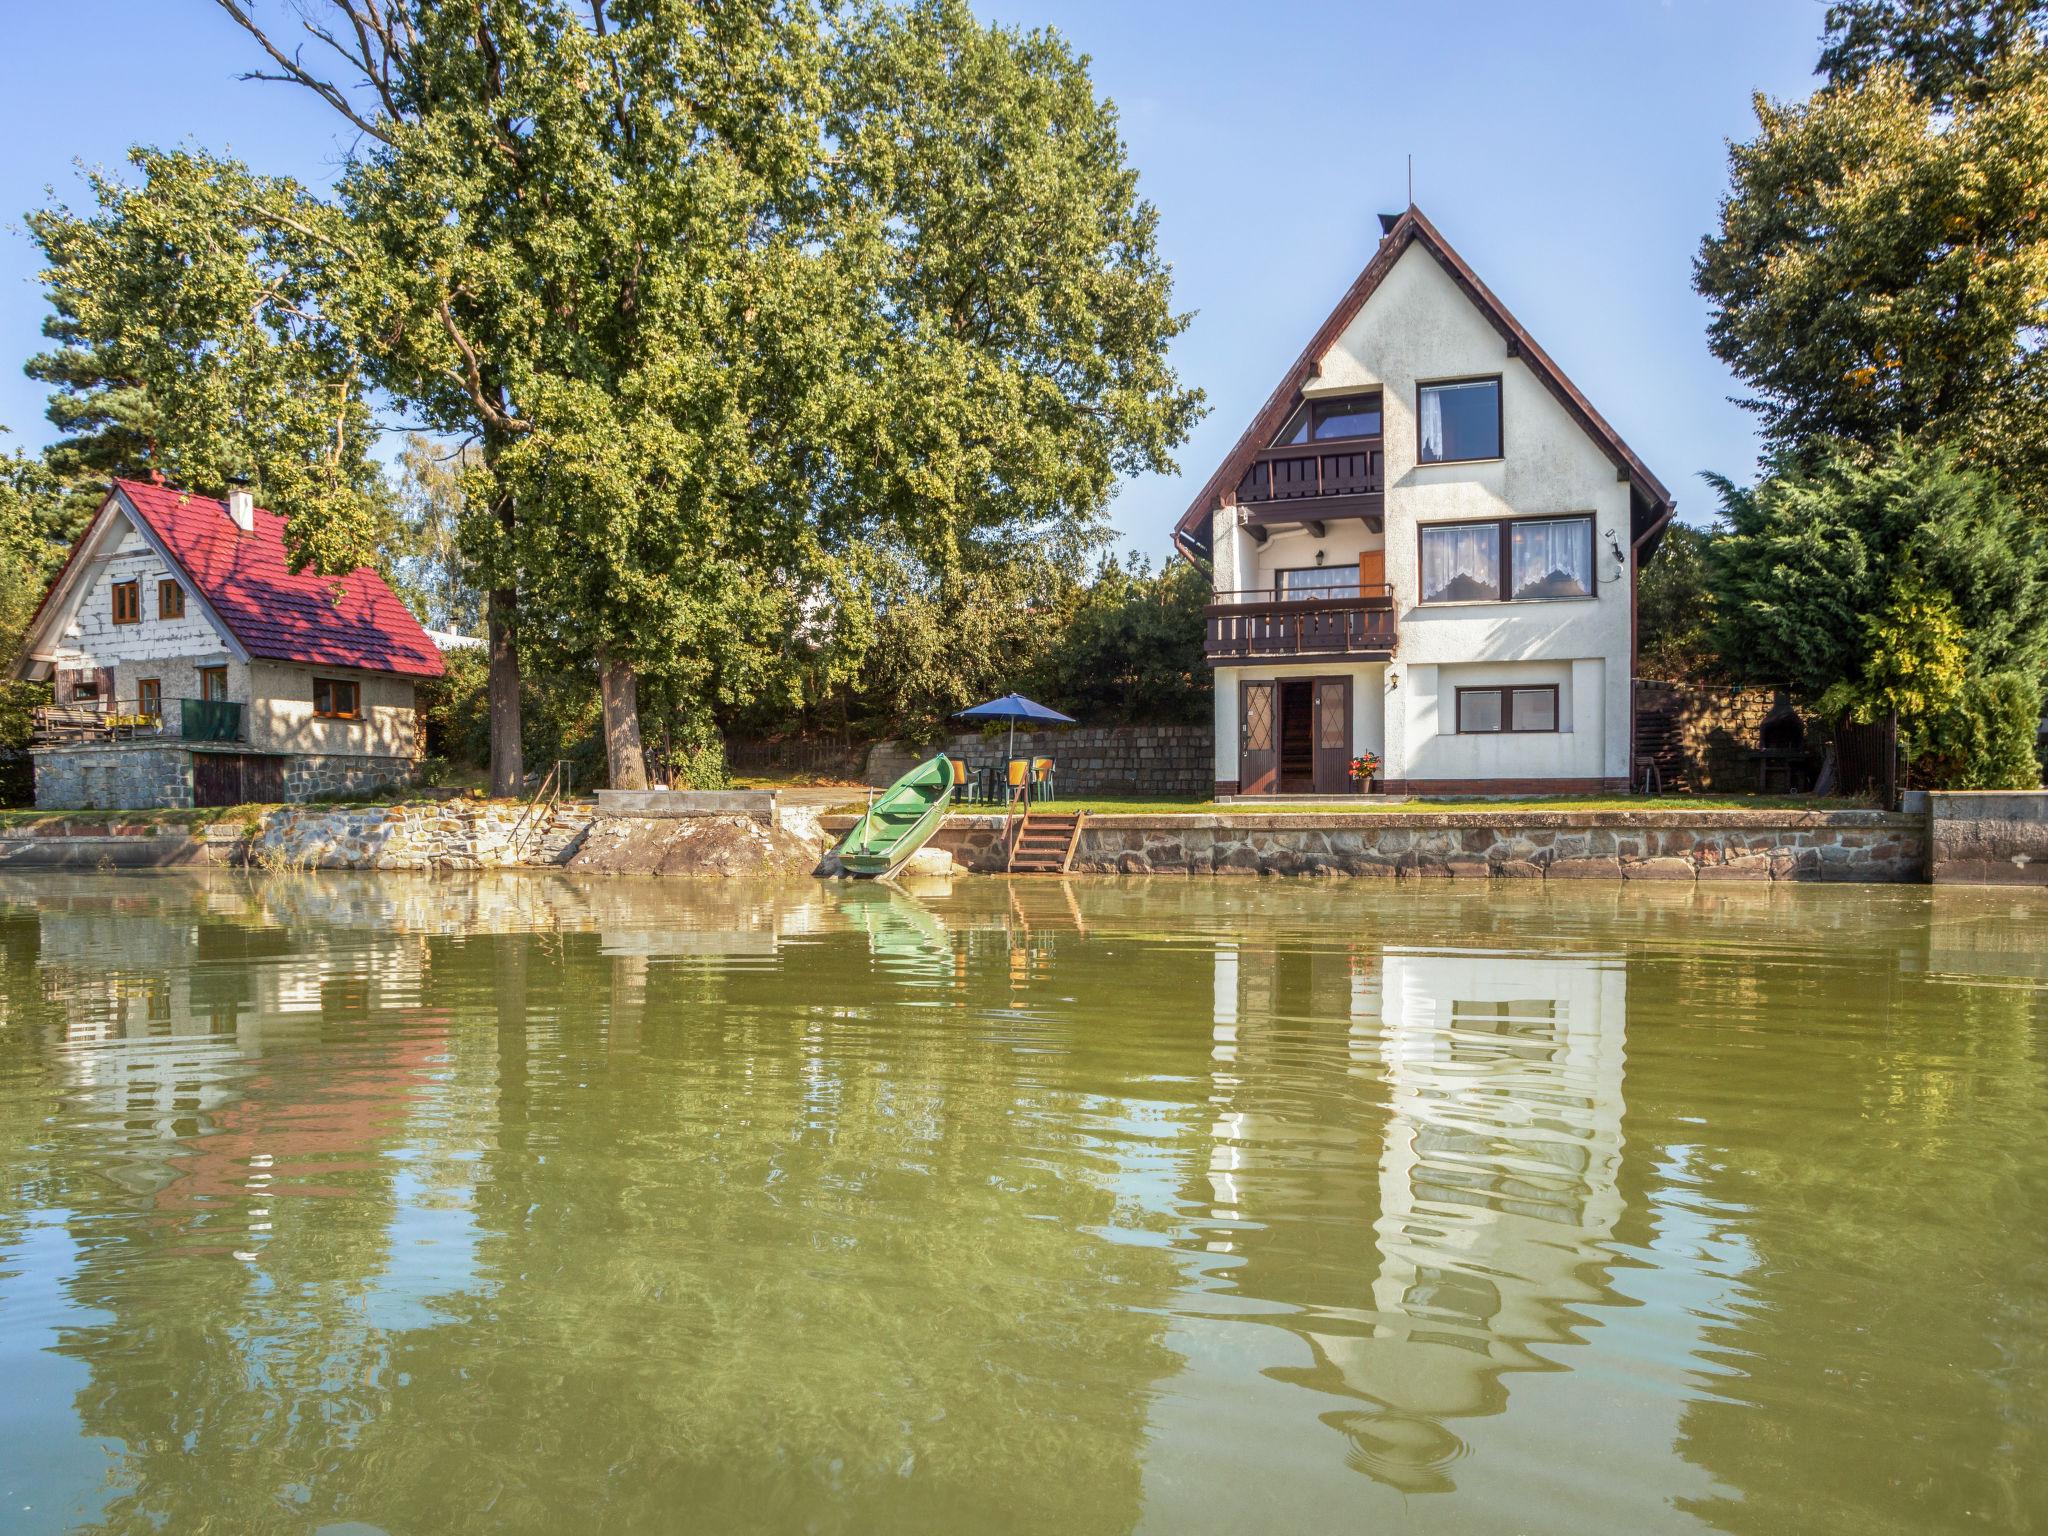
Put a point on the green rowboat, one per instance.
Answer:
(900, 821)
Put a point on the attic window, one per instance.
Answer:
(127, 602)
(170, 599)
(1339, 417)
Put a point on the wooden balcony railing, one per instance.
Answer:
(1349, 622)
(1357, 466)
(97, 720)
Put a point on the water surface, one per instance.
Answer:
(519, 1204)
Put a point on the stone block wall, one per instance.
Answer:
(113, 776)
(453, 835)
(308, 776)
(1718, 728)
(1989, 836)
(1167, 761)
(1610, 845)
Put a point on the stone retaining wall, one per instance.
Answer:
(1555, 845)
(455, 835)
(1989, 836)
(1169, 761)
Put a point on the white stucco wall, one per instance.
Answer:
(1418, 325)
(283, 719)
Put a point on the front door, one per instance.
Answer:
(1333, 735)
(1297, 736)
(1257, 728)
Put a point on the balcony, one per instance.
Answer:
(1345, 624)
(93, 722)
(1308, 484)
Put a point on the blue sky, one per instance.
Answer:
(1574, 152)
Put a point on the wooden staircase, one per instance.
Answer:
(1043, 842)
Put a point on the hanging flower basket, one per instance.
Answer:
(1364, 768)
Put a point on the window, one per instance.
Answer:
(127, 602)
(149, 697)
(1486, 711)
(1461, 563)
(170, 600)
(1324, 420)
(213, 683)
(1551, 559)
(1317, 581)
(1458, 420)
(1547, 558)
(336, 699)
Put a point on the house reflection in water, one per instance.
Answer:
(1498, 1083)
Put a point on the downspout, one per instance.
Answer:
(1635, 576)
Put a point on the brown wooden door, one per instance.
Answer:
(1258, 728)
(1372, 571)
(216, 778)
(263, 780)
(1333, 735)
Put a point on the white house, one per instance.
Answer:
(1425, 546)
(190, 665)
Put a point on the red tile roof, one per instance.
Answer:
(351, 621)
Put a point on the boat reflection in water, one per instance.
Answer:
(1496, 1083)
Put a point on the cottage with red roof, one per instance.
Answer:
(192, 667)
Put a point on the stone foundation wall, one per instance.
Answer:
(1169, 761)
(117, 776)
(152, 775)
(1611, 845)
(327, 777)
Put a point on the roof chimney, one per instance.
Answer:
(242, 508)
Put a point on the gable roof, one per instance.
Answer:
(352, 621)
(1411, 228)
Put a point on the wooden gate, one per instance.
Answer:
(216, 778)
(230, 778)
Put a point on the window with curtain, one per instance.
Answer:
(1517, 560)
(1461, 563)
(1318, 581)
(1458, 421)
(1552, 559)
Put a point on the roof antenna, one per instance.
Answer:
(1411, 179)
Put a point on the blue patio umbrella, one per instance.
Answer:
(1014, 707)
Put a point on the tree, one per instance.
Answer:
(728, 293)
(1945, 47)
(1881, 267)
(1131, 648)
(425, 565)
(1675, 609)
(1881, 582)
(198, 344)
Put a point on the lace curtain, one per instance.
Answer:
(1461, 564)
(1553, 559)
(1431, 405)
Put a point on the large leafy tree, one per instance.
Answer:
(1885, 583)
(1945, 47)
(727, 294)
(1881, 266)
(199, 341)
